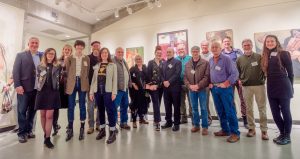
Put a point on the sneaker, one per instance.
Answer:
(22, 139)
(278, 138)
(284, 140)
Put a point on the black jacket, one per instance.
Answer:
(42, 73)
(171, 70)
(154, 73)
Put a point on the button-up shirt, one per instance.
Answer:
(36, 60)
(234, 54)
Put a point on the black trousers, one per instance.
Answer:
(281, 113)
(55, 117)
(156, 100)
(172, 97)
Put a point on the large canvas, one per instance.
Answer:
(131, 53)
(290, 41)
(219, 35)
(172, 39)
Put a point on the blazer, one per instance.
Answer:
(42, 76)
(24, 71)
(171, 70)
(198, 75)
(111, 79)
(71, 74)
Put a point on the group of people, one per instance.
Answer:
(47, 83)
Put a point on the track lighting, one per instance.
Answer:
(129, 10)
(117, 13)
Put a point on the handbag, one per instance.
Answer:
(6, 103)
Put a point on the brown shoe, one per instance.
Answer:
(233, 138)
(144, 121)
(134, 125)
(195, 129)
(204, 131)
(90, 131)
(264, 135)
(221, 133)
(125, 126)
(251, 133)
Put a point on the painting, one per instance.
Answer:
(172, 39)
(218, 36)
(131, 53)
(290, 41)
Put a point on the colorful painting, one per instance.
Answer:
(131, 53)
(290, 41)
(172, 39)
(219, 35)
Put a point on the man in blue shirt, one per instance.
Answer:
(223, 74)
(184, 58)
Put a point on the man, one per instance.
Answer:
(223, 74)
(25, 83)
(253, 81)
(171, 70)
(96, 46)
(196, 78)
(206, 55)
(234, 54)
(124, 83)
(183, 58)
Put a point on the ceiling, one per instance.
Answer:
(91, 11)
(48, 29)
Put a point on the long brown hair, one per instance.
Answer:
(44, 58)
(266, 53)
(109, 56)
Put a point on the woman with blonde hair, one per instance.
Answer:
(47, 98)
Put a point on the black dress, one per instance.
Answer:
(48, 98)
(62, 86)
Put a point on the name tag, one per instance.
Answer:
(170, 65)
(218, 68)
(193, 71)
(254, 63)
(133, 75)
(85, 63)
(274, 54)
(43, 73)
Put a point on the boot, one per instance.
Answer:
(101, 134)
(112, 137)
(245, 122)
(134, 124)
(55, 129)
(81, 133)
(48, 143)
(69, 134)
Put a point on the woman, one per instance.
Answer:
(277, 65)
(104, 89)
(77, 67)
(139, 104)
(66, 52)
(47, 98)
(154, 85)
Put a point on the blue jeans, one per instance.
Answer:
(201, 96)
(223, 99)
(122, 101)
(72, 102)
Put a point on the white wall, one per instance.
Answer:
(199, 17)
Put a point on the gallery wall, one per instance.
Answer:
(244, 17)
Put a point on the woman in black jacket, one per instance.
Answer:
(48, 98)
(139, 103)
(277, 65)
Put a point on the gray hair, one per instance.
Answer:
(195, 48)
(204, 42)
(247, 40)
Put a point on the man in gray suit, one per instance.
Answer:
(25, 83)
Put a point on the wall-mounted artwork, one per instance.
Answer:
(219, 35)
(172, 39)
(131, 53)
(290, 41)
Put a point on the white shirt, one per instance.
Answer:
(206, 56)
(78, 65)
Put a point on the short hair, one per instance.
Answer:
(216, 43)
(171, 48)
(35, 38)
(138, 56)
(158, 48)
(95, 42)
(226, 37)
(204, 41)
(79, 42)
(118, 48)
(195, 48)
(247, 40)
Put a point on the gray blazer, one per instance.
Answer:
(111, 82)
(42, 76)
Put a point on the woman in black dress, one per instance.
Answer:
(277, 65)
(66, 52)
(48, 98)
(139, 103)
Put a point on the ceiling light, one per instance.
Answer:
(117, 13)
(57, 2)
(129, 10)
(67, 36)
(158, 3)
(150, 5)
(97, 18)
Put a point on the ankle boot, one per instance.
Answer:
(48, 143)
(81, 133)
(69, 134)
(112, 137)
(101, 134)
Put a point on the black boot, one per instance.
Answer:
(55, 129)
(48, 143)
(112, 137)
(245, 122)
(81, 132)
(69, 134)
(101, 134)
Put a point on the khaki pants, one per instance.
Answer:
(260, 97)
